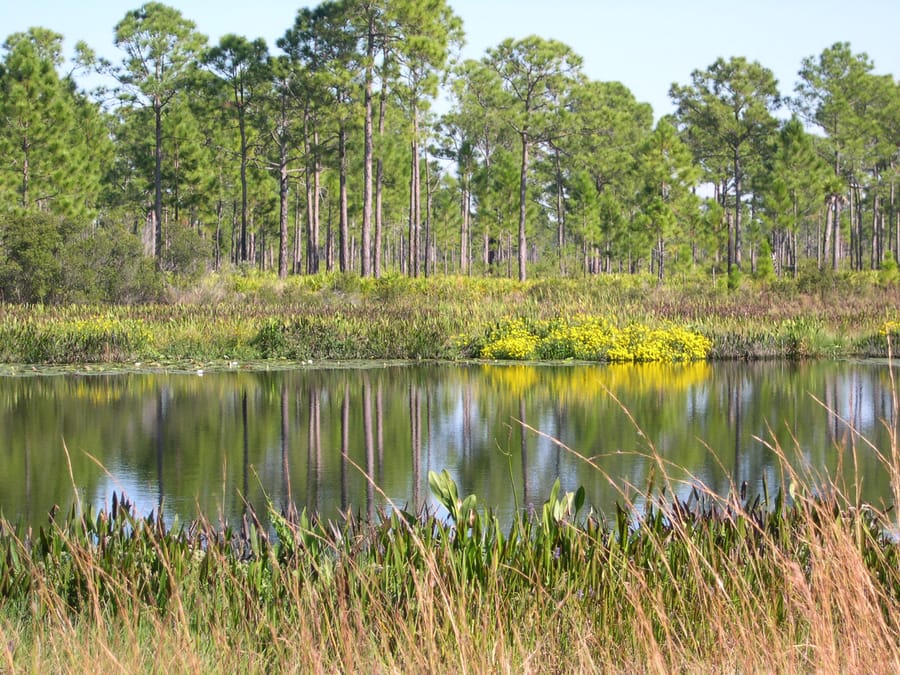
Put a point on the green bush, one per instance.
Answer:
(30, 246)
(888, 272)
(108, 265)
(185, 253)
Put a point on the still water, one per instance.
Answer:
(365, 437)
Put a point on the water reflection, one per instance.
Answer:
(363, 439)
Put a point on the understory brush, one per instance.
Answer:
(333, 316)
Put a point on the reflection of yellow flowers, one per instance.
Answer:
(588, 382)
(646, 377)
(517, 380)
(593, 339)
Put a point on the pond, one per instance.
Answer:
(364, 437)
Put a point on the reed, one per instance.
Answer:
(332, 316)
(802, 579)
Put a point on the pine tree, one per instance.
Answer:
(161, 48)
(668, 174)
(533, 76)
(727, 111)
(52, 138)
(240, 67)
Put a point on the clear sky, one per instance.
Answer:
(645, 44)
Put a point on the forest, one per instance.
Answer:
(360, 143)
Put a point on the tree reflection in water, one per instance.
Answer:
(228, 441)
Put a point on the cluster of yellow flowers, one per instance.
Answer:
(512, 341)
(98, 335)
(593, 339)
(584, 338)
(891, 328)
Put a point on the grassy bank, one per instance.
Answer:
(700, 583)
(345, 317)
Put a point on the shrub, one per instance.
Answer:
(186, 253)
(888, 272)
(30, 245)
(108, 265)
(592, 339)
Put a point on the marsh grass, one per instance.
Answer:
(332, 316)
(804, 578)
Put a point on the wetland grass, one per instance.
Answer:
(802, 580)
(678, 578)
(327, 317)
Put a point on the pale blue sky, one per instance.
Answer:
(645, 44)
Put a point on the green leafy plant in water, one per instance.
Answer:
(462, 511)
(560, 509)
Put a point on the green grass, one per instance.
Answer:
(345, 317)
(702, 582)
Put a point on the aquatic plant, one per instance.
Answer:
(96, 338)
(702, 581)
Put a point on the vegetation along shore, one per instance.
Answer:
(781, 582)
(353, 192)
(240, 318)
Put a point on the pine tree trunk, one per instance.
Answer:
(895, 214)
(284, 207)
(738, 194)
(660, 253)
(560, 216)
(523, 193)
(244, 200)
(464, 229)
(414, 195)
(368, 152)
(428, 194)
(315, 234)
(876, 251)
(312, 196)
(836, 236)
(298, 234)
(218, 241)
(829, 215)
(379, 180)
(344, 223)
(157, 184)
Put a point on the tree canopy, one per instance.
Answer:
(359, 143)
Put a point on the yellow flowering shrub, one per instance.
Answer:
(890, 328)
(584, 338)
(512, 341)
(588, 338)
